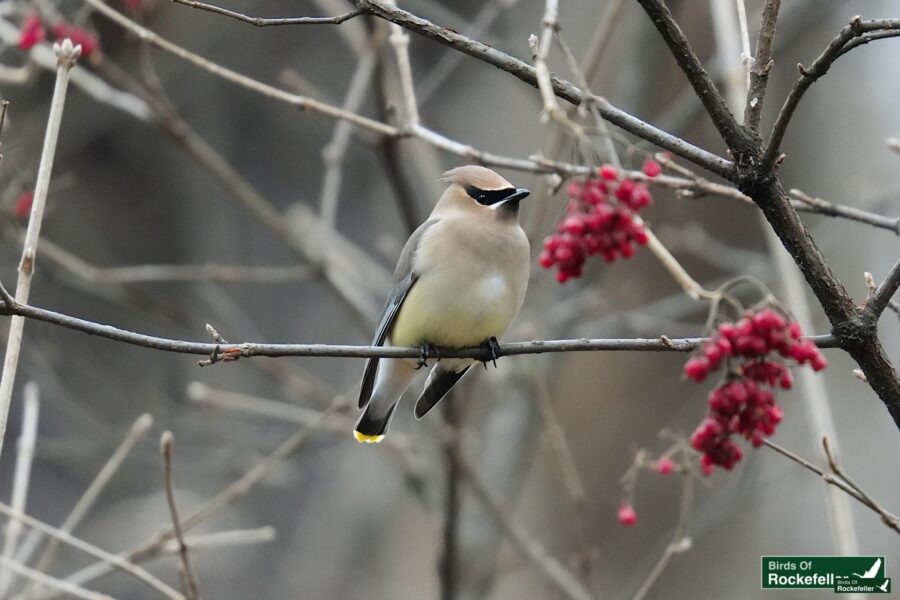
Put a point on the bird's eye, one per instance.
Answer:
(488, 197)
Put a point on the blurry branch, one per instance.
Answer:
(111, 560)
(893, 144)
(681, 542)
(399, 40)
(185, 568)
(226, 539)
(226, 496)
(449, 61)
(140, 428)
(564, 581)
(514, 66)
(228, 351)
(881, 297)
(568, 472)
(178, 273)
(335, 151)
(87, 82)
(839, 479)
(263, 22)
(855, 34)
(64, 587)
(25, 455)
(66, 56)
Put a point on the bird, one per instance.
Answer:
(873, 570)
(459, 282)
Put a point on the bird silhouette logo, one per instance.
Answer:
(884, 586)
(872, 572)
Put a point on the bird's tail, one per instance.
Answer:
(392, 379)
(373, 423)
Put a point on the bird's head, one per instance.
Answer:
(479, 189)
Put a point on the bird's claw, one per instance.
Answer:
(492, 346)
(426, 351)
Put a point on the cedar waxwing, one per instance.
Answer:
(460, 282)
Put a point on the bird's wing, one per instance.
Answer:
(404, 278)
(439, 383)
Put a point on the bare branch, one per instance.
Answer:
(837, 479)
(137, 431)
(249, 349)
(531, 549)
(186, 570)
(21, 479)
(762, 64)
(805, 202)
(563, 89)
(66, 56)
(730, 130)
(883, 294)
(263, 22)
(65, 587)
(112, 560)
(842, 43)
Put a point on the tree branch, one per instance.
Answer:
(232, 351)
(263, 22)
(841, 44)
(564, 89)
(731, 131)
(884, 292)
(762, 64)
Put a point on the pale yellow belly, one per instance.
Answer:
(455, 311)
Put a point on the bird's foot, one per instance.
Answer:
(493, 347)
(426, 351)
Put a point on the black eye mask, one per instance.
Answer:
(489, 197)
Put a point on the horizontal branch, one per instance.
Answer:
(226, 351)
(263, 22)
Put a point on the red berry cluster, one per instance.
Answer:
(600, 219)
(741, 404)
(31, 33)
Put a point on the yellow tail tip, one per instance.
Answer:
(367, 439)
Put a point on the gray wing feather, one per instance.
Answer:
(404, 279)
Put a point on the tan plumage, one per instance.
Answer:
(460, 281)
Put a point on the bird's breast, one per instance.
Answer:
(456, 308)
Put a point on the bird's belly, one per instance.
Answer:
(455, 311)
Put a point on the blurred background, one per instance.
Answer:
(179, 199)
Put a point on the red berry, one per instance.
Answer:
(651, 168)
(626, 515)
(608, 172)
(31, 33)
(22, 204)
(664, 466)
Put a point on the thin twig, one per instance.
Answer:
(186, 570)
(25, 454)
(64, 587)
(249, 349)
(882, 295)
(226, 496)
(263, 22)
(111, 560)
(839, 481)
(561, 578)
(137, 431)
(804, 201)
(808, 75)
(66, 54)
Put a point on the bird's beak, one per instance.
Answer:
(519, 194)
